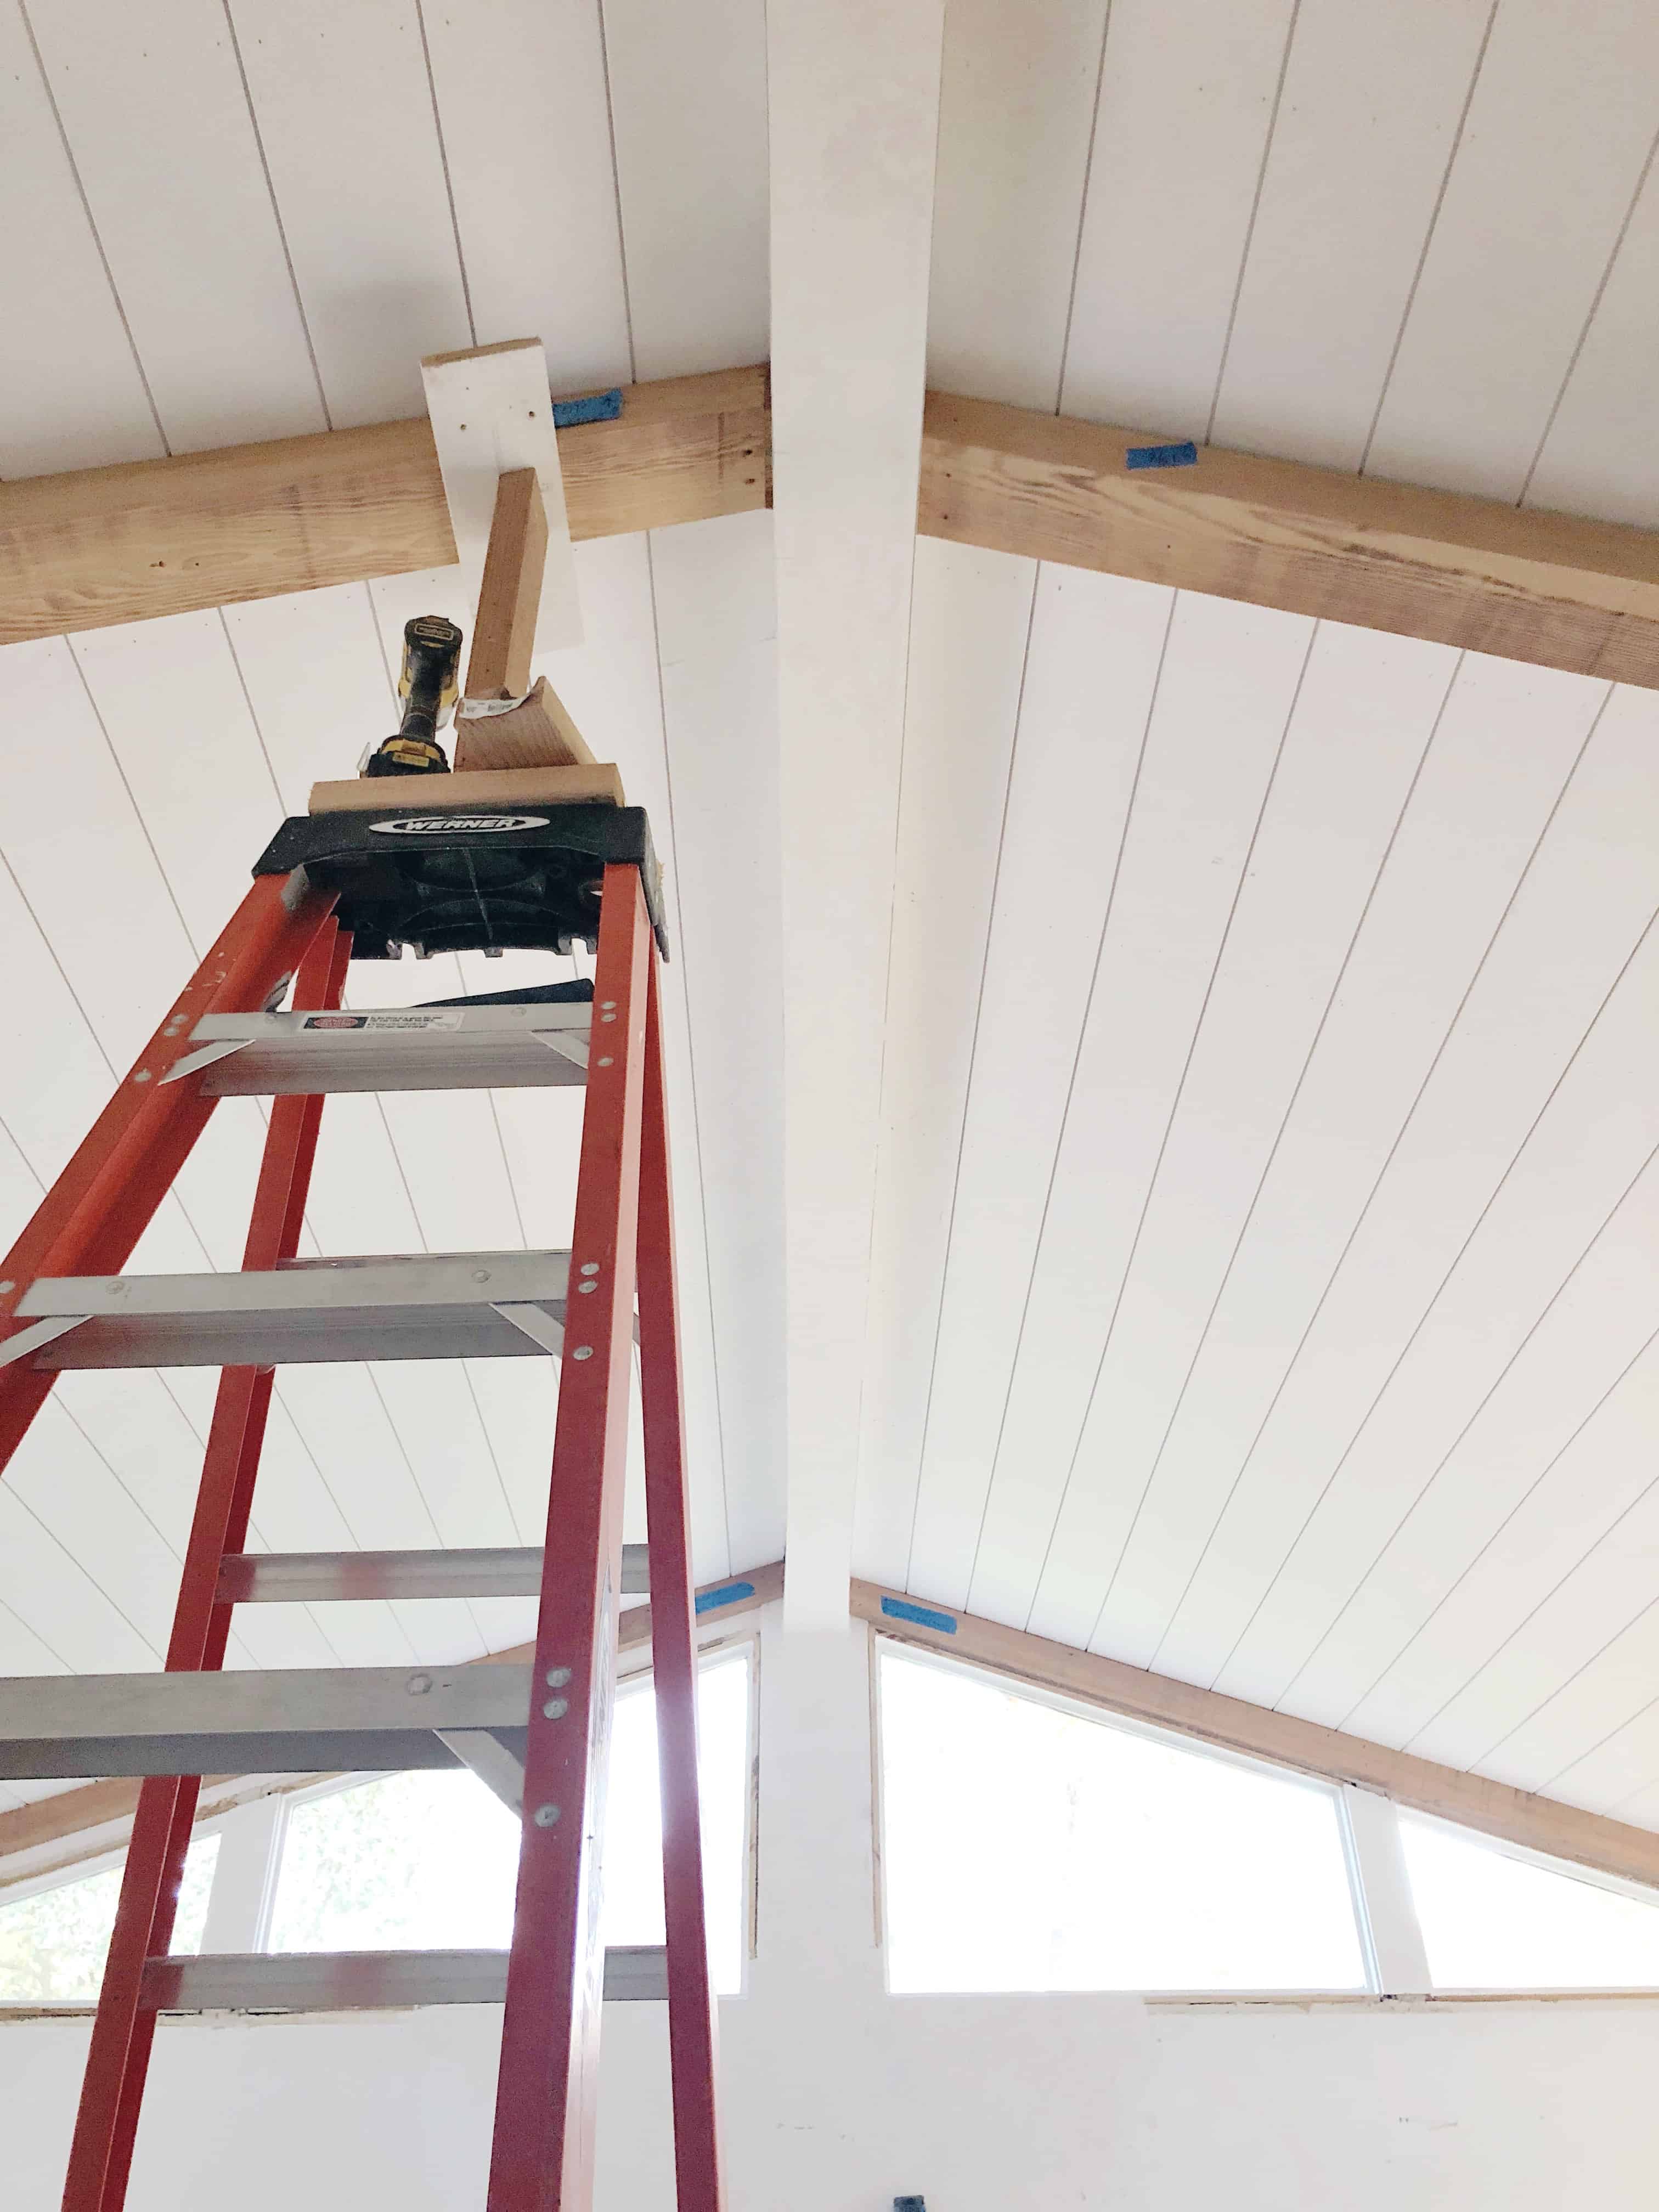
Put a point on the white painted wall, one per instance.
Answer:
(837, 2098)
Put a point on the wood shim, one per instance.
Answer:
(1541, 1824)
(538, 732)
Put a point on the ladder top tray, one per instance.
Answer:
(396, 1048)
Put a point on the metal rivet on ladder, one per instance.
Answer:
(418, 1684)
(589, 1268)
(556, 1709)
(606, 1060)
(583, 1351)
(546, 1815)
(587, 1286)
(557, 1677)
(142, 1075)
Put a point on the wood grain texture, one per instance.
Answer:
(538, 732)
(100, 546)
(1493, 1808)
(1548, 588)
(600, 785)
(504, 632)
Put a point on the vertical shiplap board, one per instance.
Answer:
(56, 1603)
(1095, 645)
(716, 619)
(1553, 1296)
(970, 622)
(1228, 677)
(70, 393)
(1017, 106)
(1362, 720)
(1601, 453)
(1501, 752)
(1584, 903)
(1365, 129)
(851, 240)
(1187, 101)
(153, 105)
(536, 209)
(343, 105)
(1577, 1730)
(1558, 131)
(315, 674)
(54, 1080)
(688, 93)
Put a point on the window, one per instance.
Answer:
(1492, 1921)
(52, 1942)
(430, 1861)
(1030, 1846)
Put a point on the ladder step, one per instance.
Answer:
(445, 1305)
(401, 1049)
(315, 1577)
(262, 1721)
(368, 1981)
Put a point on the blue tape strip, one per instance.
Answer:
(597, 407)
(727, 1594)
(1162, 457)
(924, 1616)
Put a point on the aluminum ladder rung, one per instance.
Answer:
(394, 1049)
(447, 1305)
(259, 1721)
(367, 1981)
(316, 1577)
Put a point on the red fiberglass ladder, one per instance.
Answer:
(329, 886)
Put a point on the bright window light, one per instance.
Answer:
(52, 1944)
(430, 1861)
(1027, 1847)
(1492, 1921)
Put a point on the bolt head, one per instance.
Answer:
(142, 1075)
(606, 1060)
(418, 1684)
(583, 1351)
(589, 1268)
(481, 1274)
(557, 1677)
(586, 1287)
(556, 1709)
(545, 1815)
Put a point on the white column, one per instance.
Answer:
(245, 1876)
(1393, 1930)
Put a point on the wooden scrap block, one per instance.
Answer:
(538, 732)
(493, 791)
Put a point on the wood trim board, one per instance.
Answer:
(1493, 1808)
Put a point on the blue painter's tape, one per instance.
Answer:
(924, 1616)
(727, 1594)
(1162, 457)
(597, 407)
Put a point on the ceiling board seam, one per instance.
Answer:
(1249, 226)
(967, 1084)
(85, 209)
(276, 214)
(1560, 1582)
(1371, 1198)
(1070, 1086)
(1456, 1260)
(1589, 318)
(685, 967)
(443, 163)
(409, 1464)
(1082, 212)
(1382, 1550)
(253, 713)
(86, 1575)
(390, 1611)
(622, 232)
(1590, 1750)
(137, 813)
(1169, 1122)
(1428, 235)
(1278, 1137)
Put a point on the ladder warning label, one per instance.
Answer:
(382, 1022)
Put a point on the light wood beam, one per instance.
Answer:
(247, 522)
(509, 598)
(1516, 1816)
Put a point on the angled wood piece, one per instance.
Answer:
(510, 596)
(537, 733)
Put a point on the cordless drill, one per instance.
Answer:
(429, 686)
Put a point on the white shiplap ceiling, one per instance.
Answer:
(1263, 1264)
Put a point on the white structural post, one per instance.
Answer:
(245, 1877)
(1393, 1931)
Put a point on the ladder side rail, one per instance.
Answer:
(118, 2058)
(102, 1203)
(691, 2014)
(547, 2093)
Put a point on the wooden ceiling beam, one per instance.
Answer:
(152, 537)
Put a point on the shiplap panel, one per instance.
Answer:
(1096, 647)
(1186, 104)
(54, 1080)
(716, 621)
(1559, 126)
(536, 210)
(1017, 107)
(70, 393)
(1576, 1730)
(1500, 754)
(1229, 679)
(54, 1597)
(1601, 453)
(152, 103)
(315, 671)
(1584, 903)
(970, 619)
(1555, 1294)
(1362, 721)
(1569, 1573)
(344, 110)
(1366, 129)
(688, 90)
